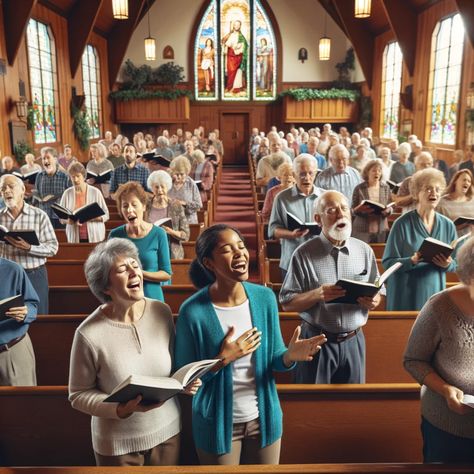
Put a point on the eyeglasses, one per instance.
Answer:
(307, 173)
(431, 189)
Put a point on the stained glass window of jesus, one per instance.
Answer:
(447, 45)
(391, 84)
(43, 80)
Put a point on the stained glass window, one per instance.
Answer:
(91, 83)
(391, 84)
(43, 80)
(447, 45)
(235, 52)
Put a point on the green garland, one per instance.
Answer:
(315, 94)
(142, 94)
(81, 127)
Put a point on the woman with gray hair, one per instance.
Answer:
(184, 189)
(439, 356)
(127, 334)
(162, 206)
(416, 281)
(202, 170)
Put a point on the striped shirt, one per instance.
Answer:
(123, 174)
(318, 262)
(344, 182)
(30, 218)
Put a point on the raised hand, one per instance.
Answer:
(302, 349)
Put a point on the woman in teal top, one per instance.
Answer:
(416, 281)
(151, 241)
(236, 416)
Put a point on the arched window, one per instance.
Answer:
(447, 45)
(391, 84)
(43, 81)
(235, 52)
(91, 84)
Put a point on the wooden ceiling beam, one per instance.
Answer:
(466, 9)
(404, 23)
(80, 23)
(119, 38)
(331, 10)
(15, 21)
(360, 37)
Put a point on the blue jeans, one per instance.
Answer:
(441, 446)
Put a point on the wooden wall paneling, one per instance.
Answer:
(80, 22)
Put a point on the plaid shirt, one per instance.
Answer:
(122, 175)
(30, 218)
(55, 185)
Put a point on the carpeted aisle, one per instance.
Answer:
(235, 207)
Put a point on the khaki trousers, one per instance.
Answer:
(245, 449)
(164, 454)
(18, 365)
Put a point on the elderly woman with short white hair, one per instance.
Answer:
(184, 189)
(202, 170)
(416, 280)
(127, 334)
(162, 207)
(439, 356)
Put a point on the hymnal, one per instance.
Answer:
(27, 235)
(159, 389)
(165, 221)
(461, 220)
(198, 183)
(431, 247)
(394, 187)
(157, 159)
(296, 223)
(100, 178)
(356, 289)
(468, 400)
(10, 302)
(377, 206)
(30, 177)
(47, 198)
(83, 214)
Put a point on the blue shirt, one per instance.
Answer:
(123, 174)
(344, 182)
(55, 185)
(154, 253)
(16, 282)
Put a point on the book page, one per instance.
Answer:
(460, 239)
(387, 273)
(468, 400)
(190, 372)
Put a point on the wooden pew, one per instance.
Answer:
(79, 299)
(322, 424)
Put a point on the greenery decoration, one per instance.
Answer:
(344, 70)
(20, 149)
(137, 77)
(168, 74)
(30, 118)
(141, 94)
(314, 94)
(81, 127)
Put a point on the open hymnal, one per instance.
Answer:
(198, 183)
(468, 400)
(377, 206)
(159, 389)
(100, 178)
(166, 221)
(356, 289)
(463, 220)
(294, 223)
(47, 198)
(27, 235)
(10, 302)
(431, 247)
(30, 177)
(394, 187)
(83, 214)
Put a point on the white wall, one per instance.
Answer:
(301, 24)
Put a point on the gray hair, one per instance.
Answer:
(404, 149)
(339, 147)
(100, 262)
(318, 207)
(423, 177)
(159, 178)
(50, 151)
(198, 155)
(302, 159)
(162, 141)
(465, 260)
(423, 155)
(16, 178)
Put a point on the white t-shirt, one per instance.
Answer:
(245, 405)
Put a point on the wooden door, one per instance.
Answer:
(234, 132)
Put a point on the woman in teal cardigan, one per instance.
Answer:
(416, 281)
(236, 415)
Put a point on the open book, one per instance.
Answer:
(166, 221)
(355, 289)
(10, 302)
(377, 206)
(198, 183)
(30, 177)
(47, 198)
(468, 400)
(159, 389)
(28, 235)
(100, 178)
(83, 214)
(431, 247)
(463, 220)
(394, 187)
(296, 223)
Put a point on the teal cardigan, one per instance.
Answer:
(199, 335)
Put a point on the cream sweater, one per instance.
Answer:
(104, 353)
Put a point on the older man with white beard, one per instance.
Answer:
(309, 288)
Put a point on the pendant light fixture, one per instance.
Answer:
(120, 9)
(325, 44)
(150, 43)
(362, 8)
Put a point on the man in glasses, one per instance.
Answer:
(309, 289)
